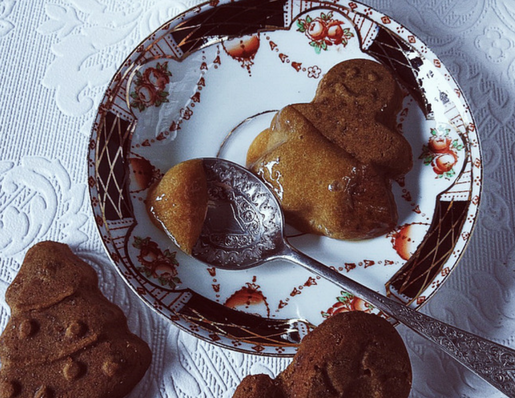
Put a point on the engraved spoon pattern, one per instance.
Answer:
(244, 227)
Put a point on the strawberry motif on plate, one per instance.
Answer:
(324, 31)
(150, 87)
(406, 238)
(249, 296)
(157, 264)
(347, 302)
(441, 152)
(242, 49)
(143, 172)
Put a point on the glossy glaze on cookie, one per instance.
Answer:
(178, 202)
(331, 161)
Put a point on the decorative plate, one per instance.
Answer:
(205, 84)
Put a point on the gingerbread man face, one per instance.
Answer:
(359, 83)
(355, 107)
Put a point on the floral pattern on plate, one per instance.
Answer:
(205, 84)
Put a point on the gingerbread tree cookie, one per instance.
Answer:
(64, 338)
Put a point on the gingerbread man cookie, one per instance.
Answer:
(331, 162)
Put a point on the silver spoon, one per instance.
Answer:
(244, 228)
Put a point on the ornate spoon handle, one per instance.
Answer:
(491, 361)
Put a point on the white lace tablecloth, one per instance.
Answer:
(57, 58)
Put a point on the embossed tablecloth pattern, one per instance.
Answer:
(57, 57)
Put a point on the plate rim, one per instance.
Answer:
(200, 8)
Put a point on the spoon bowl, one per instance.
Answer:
(244, 223)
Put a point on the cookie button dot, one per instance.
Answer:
(27, 328)
(72, 370)
(110, 367)
(373, 77)
(44, 392)
(76, 329)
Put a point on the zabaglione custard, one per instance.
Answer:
(331, 162)
(178, 203)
